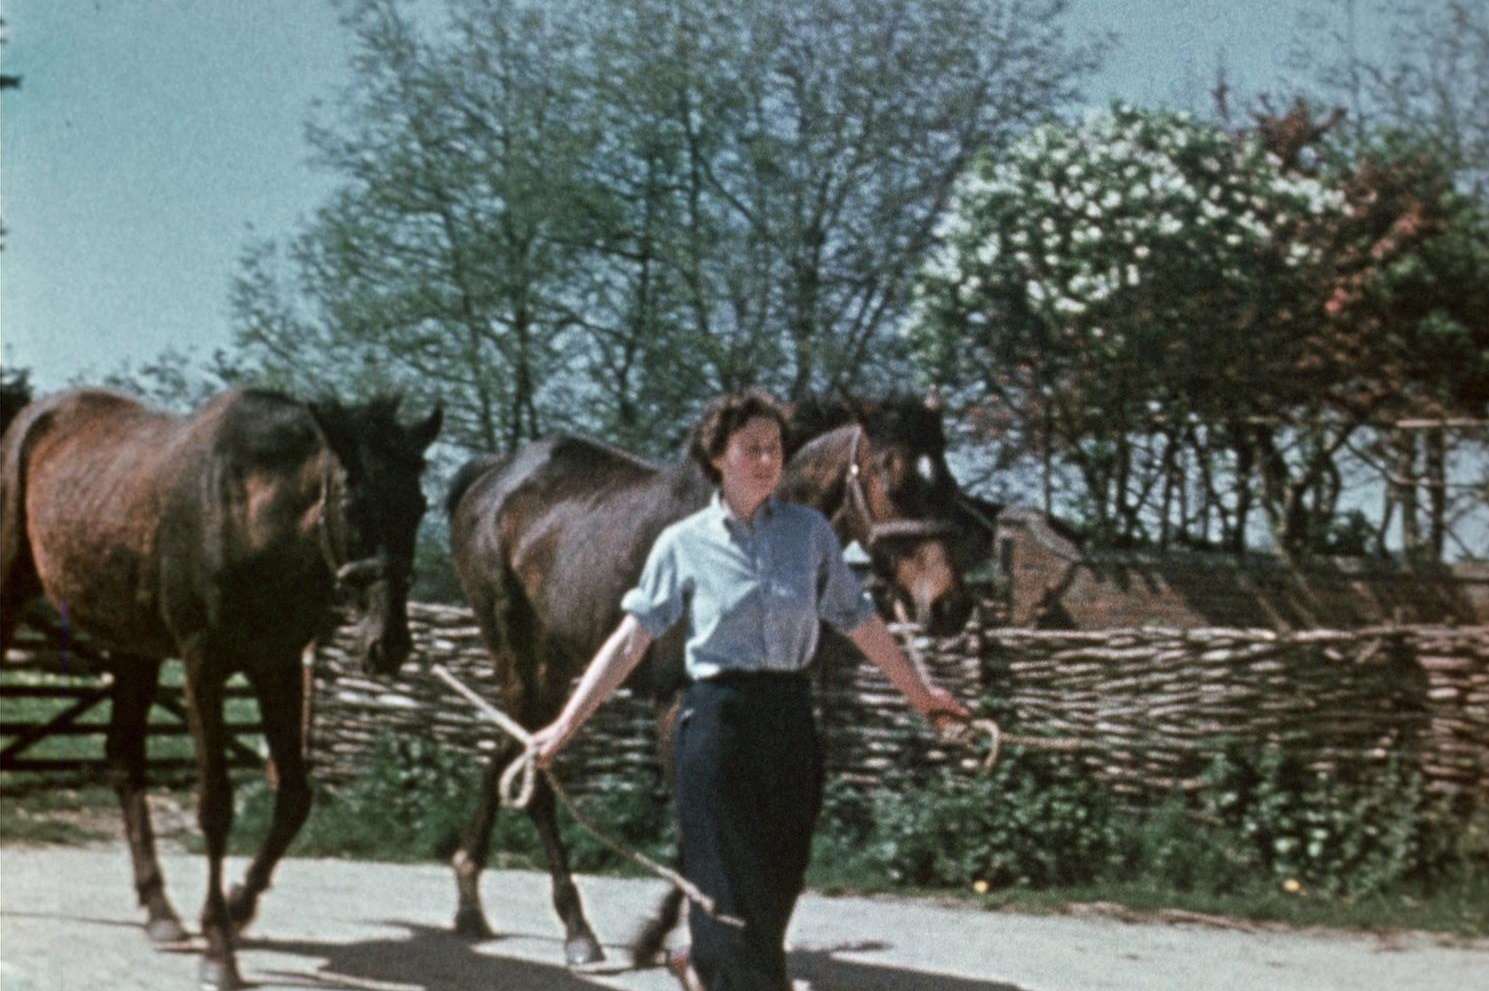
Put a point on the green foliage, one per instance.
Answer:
(1343, 834)
(1112, 258)
(30, 814)
(1140, 300)
(1038, 822)
(636, 817)
(411, 800)
(1030, 823)
(561, 215)
(1260, 834)
(415, 798)
(1351, 535)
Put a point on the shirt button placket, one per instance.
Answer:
(762, 598)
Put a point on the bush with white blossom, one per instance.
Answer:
(1135, 239)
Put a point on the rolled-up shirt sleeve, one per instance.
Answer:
(658, 600)
(841, 600)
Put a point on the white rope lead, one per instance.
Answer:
(525, 766)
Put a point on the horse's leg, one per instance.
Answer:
(135, 682)
(647, 946)
(204, 689)
(469, 859)
(580, 945)
(280, 696)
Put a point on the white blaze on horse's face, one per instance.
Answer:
(925, 467)
(926, 575)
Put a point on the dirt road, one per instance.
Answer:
(68, 923)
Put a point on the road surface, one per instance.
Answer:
(68, 923)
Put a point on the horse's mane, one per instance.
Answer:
(897, 418)
(380, 412)
(556, 445)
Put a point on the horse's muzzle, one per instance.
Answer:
(949, 614)
(942, 617)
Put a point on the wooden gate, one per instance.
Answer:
(41, 648)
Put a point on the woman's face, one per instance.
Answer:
(751, 463)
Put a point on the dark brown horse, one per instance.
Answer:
(219, 539)
(547, 541)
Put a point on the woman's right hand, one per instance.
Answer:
(548, 741)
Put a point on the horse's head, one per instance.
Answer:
(882, 477)
(370, 519)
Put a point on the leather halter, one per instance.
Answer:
(901, 528)
(337, 557)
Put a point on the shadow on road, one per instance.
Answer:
(437, 958)
(426, 958)
(825, 972)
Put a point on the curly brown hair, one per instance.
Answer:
(722, 417)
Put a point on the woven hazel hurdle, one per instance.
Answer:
(1150, 707)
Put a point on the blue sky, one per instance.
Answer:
(149, 137)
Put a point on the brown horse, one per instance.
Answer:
(547, 541)
(219, 539)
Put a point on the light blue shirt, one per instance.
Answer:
(752, 593)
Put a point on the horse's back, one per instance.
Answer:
(115, 501)
(96, 454)
(534, 486)
(565, 524)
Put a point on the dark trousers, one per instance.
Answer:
(749, 788)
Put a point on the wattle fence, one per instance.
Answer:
(1149, 708)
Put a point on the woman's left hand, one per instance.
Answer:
(940, 706)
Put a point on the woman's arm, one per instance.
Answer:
(615, 659)
(879, 645)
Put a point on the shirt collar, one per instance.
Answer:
(720, 511)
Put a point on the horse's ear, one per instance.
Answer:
(331, 419)
(424, 432)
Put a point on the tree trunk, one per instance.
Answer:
(1405, 485)
(1437, 491)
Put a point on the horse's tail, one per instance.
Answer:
(16, 578)
(15, 394)
(646, 948)
(466, 477)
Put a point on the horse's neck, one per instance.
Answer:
(685, 483)
(817, 474)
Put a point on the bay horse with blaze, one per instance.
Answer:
(218, 538)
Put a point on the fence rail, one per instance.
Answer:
(35, 668)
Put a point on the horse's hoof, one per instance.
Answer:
(166, 929)
(471, 924)
(219, 975)
(583, 951)
(240, 908)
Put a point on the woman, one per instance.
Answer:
(752, 576)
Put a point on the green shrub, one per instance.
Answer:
(407, 806)
(415, 798)
(1032, 822)
(1349, 832)
(1040, 821)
